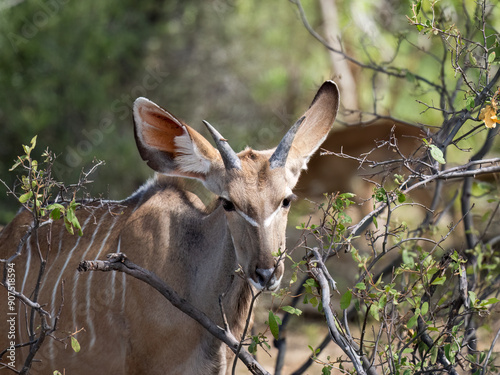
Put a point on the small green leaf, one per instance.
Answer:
(401, 198)
(55, 214)
(345, 300)
(412, 322)
(314, 301)
(312, 283)
(273, 325)
(419, 5)
(434, 353)
(439, 281)
(489, 301)
(75, 345)
(291, 310)
(374, 311)
(470, 103)
(437, 154)
(472, 59)
(425, 308)
(69, 227)
(374, 219)
(447, 351)
(472, 297)
(26, 197)
(361, 286)
(347, 195)
(491, 57)
(252, 349)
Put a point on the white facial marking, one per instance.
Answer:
(270, 219)
(251, 221)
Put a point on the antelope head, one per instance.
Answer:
(254, 187)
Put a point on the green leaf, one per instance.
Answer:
(490, 301)
(56, 373)
(312, 283)
(425, 308)
(374, 219)
(412, 322)
(26, 197)
(347, 195)
(252, 349)
(291, 310)
(401, 198)
(314, 301)
(380, 195)
(491, 57)
(419, 5)
(33, 140)
(75, 345)
(19, 161)
(470, 103)
(55, 214)
(437, 154)
(361, 286)
(69, 227)
(345, 300)
(374, 311)
(472, 59)
(472, 297)
(273, 325)
(439, 281)
(434, 353)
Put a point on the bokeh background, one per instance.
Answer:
(70, 70)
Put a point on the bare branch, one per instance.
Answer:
(119, 262)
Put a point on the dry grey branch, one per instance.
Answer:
(119, 262)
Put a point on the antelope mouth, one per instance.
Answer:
(266, 279)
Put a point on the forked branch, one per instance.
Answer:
(119, 262)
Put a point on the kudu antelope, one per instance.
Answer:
(128, 327)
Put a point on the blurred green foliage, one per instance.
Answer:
(69, 72)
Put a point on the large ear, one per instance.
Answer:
(312, 132)
(171, 147)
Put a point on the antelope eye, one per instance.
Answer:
(288, 200)
(227, 205)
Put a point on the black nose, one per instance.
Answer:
(264, 276)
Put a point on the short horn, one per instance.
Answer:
(278, 159)
(229, 157)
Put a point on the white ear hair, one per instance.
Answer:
(173, 148)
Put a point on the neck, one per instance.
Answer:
(235, 289)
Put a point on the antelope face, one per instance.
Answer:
(254, 187)
(257, 202)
